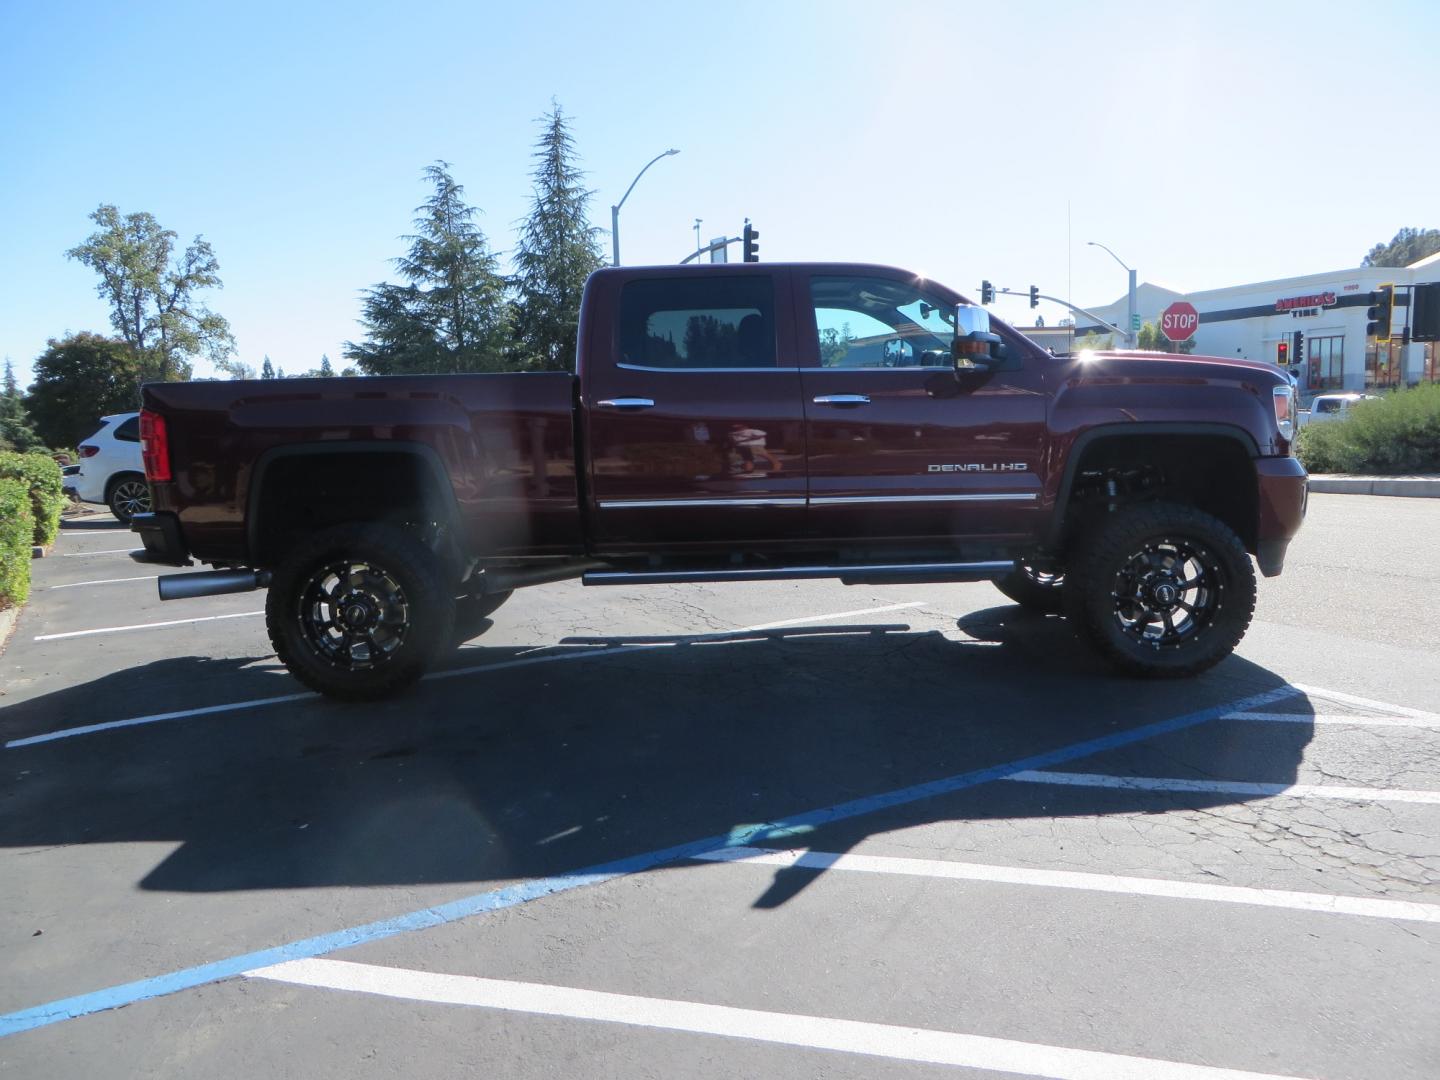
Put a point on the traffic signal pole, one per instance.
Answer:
(1035, 295)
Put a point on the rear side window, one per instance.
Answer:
(129, 431)
(1328, 405)
(698, 322)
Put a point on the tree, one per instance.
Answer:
(558, 250)
(1152, 340)
(16, 430)
(325, 371)
(151, 292)
(1094, 342)
(452, 315)
(1408, 246)
(78, 379)
(267, 369)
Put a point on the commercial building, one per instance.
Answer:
(1314, 324)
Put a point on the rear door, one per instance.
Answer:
(900, 447)
(692, 417)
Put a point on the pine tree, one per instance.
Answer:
(16, 431)
(267, 369)
(452, 314)
(326, 371)
(558, 250)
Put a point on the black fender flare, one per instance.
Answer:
(431, 462)
(1137, 429)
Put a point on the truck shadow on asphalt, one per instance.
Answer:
(542, 768)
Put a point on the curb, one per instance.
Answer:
(1414, 487)
(8, 618)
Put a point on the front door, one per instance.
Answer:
(694, 424)
(901, 448)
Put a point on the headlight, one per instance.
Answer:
(1285, 412)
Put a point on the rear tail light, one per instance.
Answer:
(89, 451)
(1285, 412)
(154, 446)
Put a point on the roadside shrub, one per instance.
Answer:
(17, 527)
(1398, 433)
(41, 476)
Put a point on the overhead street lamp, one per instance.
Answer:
(1130, 329)
(615, 210)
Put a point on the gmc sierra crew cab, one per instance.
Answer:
(735, 423)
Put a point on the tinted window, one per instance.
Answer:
(129, 431)
(880, 322)
(698, 322)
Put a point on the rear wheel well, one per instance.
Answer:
(301, 494)
(1212, 473)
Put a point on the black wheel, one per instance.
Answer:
(472, 614)
(129, 495)
(1161, 590)
(359, 612)
(1035, 589)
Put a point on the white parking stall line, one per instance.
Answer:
(1336, 718)
(146, 626)
(211, 710)
(1328, 903)
(105, 581)
(87, 554)
(155, 718)
(1226, 787)
(786, 1029)
(1365, 703)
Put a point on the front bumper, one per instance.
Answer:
(163, 541)
(1284, 494)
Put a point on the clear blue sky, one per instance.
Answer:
(1208, 144)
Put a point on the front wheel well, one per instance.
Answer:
(1213, 473)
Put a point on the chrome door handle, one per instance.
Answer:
(626, 403)
(843, 399)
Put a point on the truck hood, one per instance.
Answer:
(1168, 366)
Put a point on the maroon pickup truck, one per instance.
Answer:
(735, 423)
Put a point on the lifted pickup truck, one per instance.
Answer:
(735, 423)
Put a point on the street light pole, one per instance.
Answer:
(615, 210)
(1130, 318)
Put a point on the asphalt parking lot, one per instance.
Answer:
(759, 830)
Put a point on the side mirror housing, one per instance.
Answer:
(974, 348)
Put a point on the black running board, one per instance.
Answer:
(884, 574)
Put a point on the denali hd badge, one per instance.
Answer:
(975, 466)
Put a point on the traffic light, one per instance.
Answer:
(987, 293)
(1425, 312)
(1382, 303)
(1282, 354)
(1034, 295)
(751, 248)
(1297, 350)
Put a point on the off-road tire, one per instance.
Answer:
(405, 589)
(1045, 597)
(1103, 585)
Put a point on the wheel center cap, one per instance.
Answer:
(357, 615)
(1166, 594)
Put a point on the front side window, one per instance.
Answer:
(698, 322)
(880, 323)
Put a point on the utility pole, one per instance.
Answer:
(1131, 330)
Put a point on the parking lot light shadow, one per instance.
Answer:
(530, 771)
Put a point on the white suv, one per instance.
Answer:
(111, 470)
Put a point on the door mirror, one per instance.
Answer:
(975, 348)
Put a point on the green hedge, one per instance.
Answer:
(41, 475)
(17, 526)
(1398, 433)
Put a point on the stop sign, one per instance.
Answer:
(1179, 320)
